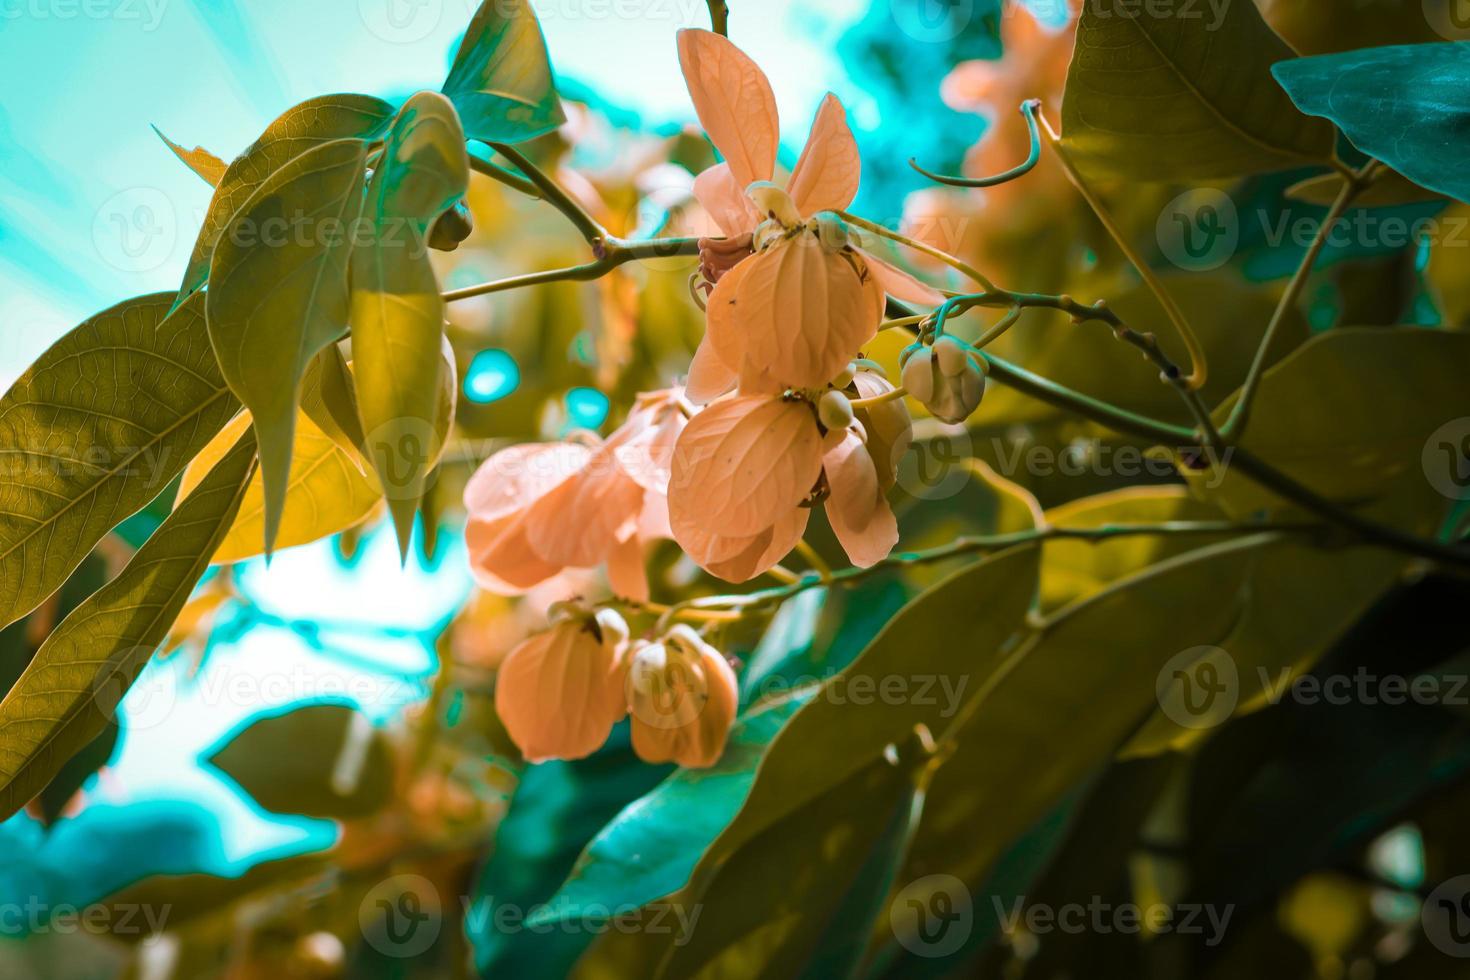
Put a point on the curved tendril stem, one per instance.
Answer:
(1029, 109)
(887, 396)
(1001, 326)
(505, 176)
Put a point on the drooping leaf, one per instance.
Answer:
(501, 80)
(1402, 104)
(97, 427)
(1349, 414)
(327, 492)
(209, 167)
(397, 311)
(298, 129)
(322, 760)
(1153, 97)
(649, 850)
(278, 295)
(70, 690)
(329, 399)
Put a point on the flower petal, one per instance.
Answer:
(501, 558)
(725, 201)
(803, 311)
(512, 479)
(560, 692)
(742, 464)
(734, 102)
(826, 174)
(889, 427)
(709, 376)
(857, 509)
(644, 445)
(899, 284)
(578, 523)
(724, 332)
(626, 573)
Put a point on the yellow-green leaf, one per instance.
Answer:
(298, 129)
(397, 312)
(1183, 97)
(97, 427)
(279, 294)
(327, 492)
(329, 398)
(70, 690)
(501, 80)
(209, 167)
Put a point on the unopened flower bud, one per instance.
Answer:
(834, 410)
(682, 694)
(845, 378)
(451, 228)
(948, 379)
(775, 202)
(560, 692)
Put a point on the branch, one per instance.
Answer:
(615, 252)
(719, 17)
(1353, 184)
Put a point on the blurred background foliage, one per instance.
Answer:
(1322, 827)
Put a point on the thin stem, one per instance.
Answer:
(504, 176)
(1199, 365)
(719, 17)
(1011, 318)
(918, 246)
(783, 574)
(814, 561)
(1029, 109)
(615, 252)
(1352, 185)
(553, 193)
(887, 396)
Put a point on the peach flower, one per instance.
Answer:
(682, 695)
(560, 692)
(795, 311)
(536, 510)
(748, 469)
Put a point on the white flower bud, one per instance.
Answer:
(834, 410)
(948, 380)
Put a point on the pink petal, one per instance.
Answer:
(724, 199)
(502, 560)
(626, 573)
(743, 463)
(653, 521)
(725, 328)
(644, 445)
(513, 478)
(857, 509)
(899, 284)
(803, 312)
(578, 523)
(826, 175)
(743, 558)
(709, 376)
(734, 102)
(888, 425)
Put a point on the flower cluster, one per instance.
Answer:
(537, 510)
(561, 692)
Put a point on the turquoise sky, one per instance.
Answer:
(93, 208)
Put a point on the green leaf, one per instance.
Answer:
(1448, 273)
(1320, 26)
(327, 493)
(1404, 105)
(399, 351)
(298, 129)
(67, 694)
(323, 760)
(279, 294)
(501, 80)
(649, 850)
(97, 427)
(210, 168)
(1391, 189)
(1349, 414)
(1182, 98)
(329, 399)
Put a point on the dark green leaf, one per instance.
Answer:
(94, 430)
(68, 693)
(1404, 105)
(501, 79)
